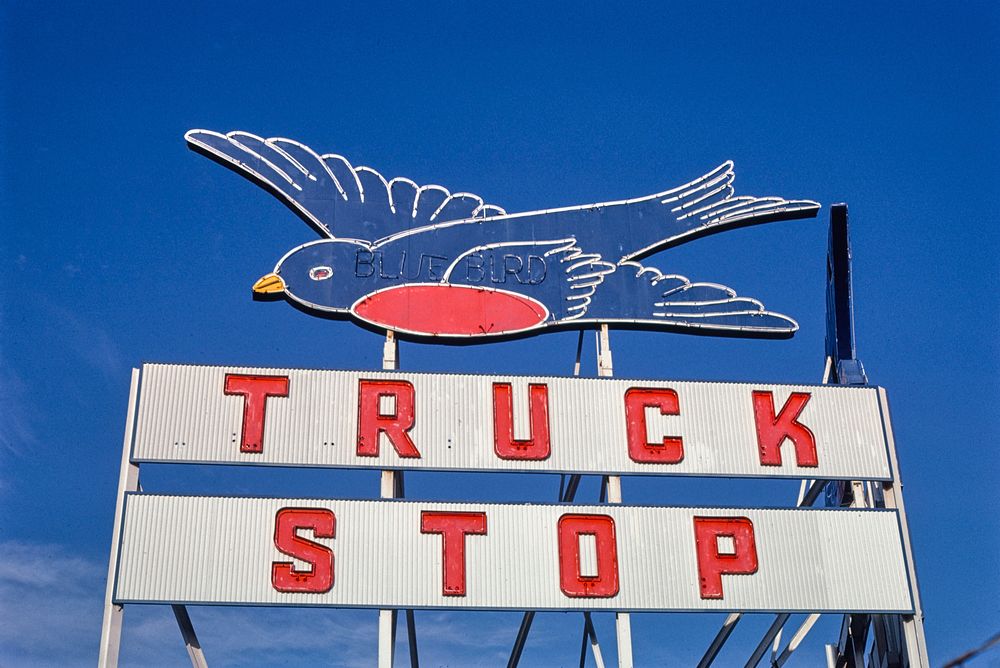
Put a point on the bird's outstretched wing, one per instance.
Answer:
(631, 229)
(644, 296)
(556, 272)
(705, 206)
(335, 198)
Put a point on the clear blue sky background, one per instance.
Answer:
(118, 245)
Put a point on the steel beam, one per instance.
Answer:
(840, 348)
(720, 639)
(765, 642)
(796, 640)
(411, 635)
(191, 643)
(590, 634)
(522, 637)
(913, 625)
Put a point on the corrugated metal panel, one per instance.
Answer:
(220, 550)
(184, 416)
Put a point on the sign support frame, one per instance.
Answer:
(848, 370)
(191, 643)
(128, 481)
(844, 368)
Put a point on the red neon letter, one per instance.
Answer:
(453, 528)
(772, 431)
(284, 576)
(395, 421)
(255, 391)
(713, 563)
(637, 400)
(602, 581)
(504, 444)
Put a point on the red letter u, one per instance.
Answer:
(504, 444)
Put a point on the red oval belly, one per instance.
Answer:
(450, 310)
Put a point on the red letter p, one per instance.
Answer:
(714, 561)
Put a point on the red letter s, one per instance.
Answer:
(319, 578)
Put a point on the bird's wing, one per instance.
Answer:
(555, 272)
(628, 230)
(335, 198)
(705, 206)
(645, 296)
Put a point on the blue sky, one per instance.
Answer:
(119, 246)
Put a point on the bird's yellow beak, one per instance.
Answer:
(269, 284)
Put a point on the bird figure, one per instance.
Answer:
(426, 262)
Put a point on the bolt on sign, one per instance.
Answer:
(404, 554)
(294, 417)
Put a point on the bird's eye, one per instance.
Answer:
(320, 273)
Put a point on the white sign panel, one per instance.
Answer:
(395, 420)
(307, 552)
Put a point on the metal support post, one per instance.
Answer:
(590, 634)
(411, 636)
(765, 642)
(191, 643)
(775, 645)
(386, 638)
(128, 481)
(391, 487)
(720, 639)
(623, 621)
(522, 637)
(605, 367)
(831, 656)
(796, 640)
(892, 491)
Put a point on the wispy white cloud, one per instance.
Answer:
(15, 415)
(17, 430)
(48, 606)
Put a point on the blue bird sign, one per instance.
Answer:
(425, 262)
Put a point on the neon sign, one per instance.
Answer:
(426, 262)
